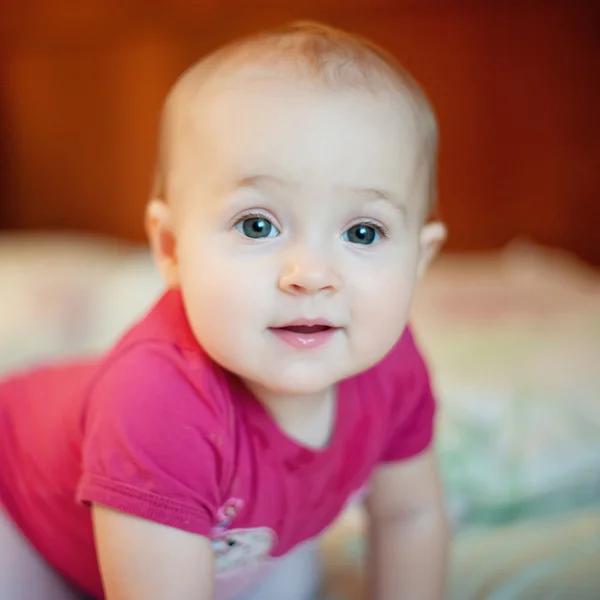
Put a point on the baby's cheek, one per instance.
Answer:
(390, 301)
(381, 322)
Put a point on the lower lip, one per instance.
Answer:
(304, 340)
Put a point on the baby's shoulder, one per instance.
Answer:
(158, 367)
(157, 425)
(155, 378)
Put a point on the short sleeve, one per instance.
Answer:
(152, 443)
(412, 403)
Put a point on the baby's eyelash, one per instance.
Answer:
(254, 214)
(381, 229)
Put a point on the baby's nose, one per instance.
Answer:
(309, 276)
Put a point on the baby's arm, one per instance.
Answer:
(151, 473)
(409, 532)
(142, 560)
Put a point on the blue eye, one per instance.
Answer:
(257, 228)
(363, 234)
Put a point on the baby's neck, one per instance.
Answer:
(307, 419)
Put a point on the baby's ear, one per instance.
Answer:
(161, 235)
(433, 236)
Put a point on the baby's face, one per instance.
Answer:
(298, 230)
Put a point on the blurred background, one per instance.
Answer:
(509, 317)
(515, 83)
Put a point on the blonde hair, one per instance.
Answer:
(327, 56)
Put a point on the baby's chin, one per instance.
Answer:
(295, 383)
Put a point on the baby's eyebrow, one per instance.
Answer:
(369, 193)
(375, 194)
(255, 180)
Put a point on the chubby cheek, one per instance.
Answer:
(380, 313)
(217, 303)
(223, 301)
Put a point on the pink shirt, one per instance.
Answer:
(156, 429)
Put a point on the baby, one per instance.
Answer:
(276, 379)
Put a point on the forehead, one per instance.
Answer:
(302, 133)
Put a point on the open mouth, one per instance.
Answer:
(306, 329)
(305, 336)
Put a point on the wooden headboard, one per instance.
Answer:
(515, 85)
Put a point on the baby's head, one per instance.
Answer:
(295, 178)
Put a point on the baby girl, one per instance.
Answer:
(276, 378)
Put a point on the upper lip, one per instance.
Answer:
(307, 323)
